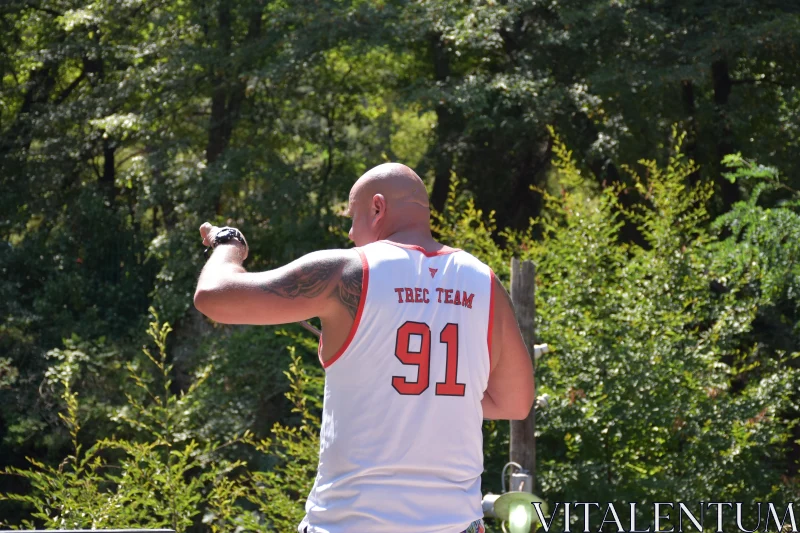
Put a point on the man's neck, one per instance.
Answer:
(420, 238)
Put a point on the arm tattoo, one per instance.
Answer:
(307, 279)
(312, 279)
(349, 290)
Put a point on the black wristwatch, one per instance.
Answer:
(226, 235)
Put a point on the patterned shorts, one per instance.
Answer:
(475, 527)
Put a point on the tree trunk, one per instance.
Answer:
(447, 127)
(522, 204)
(729, 192)
(689, 107)
(41, 83)
(228, 90)
(220, 120)
(522, 445)
(109, 171)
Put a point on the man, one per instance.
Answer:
(419, 345)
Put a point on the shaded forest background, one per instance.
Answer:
(644, 154)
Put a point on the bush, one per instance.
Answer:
(167, 476)
(660, 388)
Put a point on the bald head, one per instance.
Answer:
(397, 183)
(395, 195)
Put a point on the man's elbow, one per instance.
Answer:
(522, 406)
(203, 303)
(216, 306)
(520, 412)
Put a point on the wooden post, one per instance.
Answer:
(523, 439)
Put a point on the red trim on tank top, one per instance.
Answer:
(356, 320)
(421, 249)
(491, 317)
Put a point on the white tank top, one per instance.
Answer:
(401, 448)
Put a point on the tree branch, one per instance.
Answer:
(754, 81)
(72, 86)
(45, 10)
(130, 156)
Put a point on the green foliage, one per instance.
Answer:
(643, 406)
(462, 224)
(124, 125)
(158, 479)
(287, 484)
(273, 499)
(8, 374)
(166, 476)
(661, 386)
(760, 262)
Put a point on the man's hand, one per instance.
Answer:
(208, 231)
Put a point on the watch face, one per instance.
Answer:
(227, 234)
(224, 235)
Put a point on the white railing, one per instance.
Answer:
(100, 530)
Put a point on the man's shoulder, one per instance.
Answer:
(351, 284)
(321, 267)
(473, 261)
(334, 260)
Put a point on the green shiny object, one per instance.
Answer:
(502, 507)
(520, 517)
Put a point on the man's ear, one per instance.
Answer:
(378, 208)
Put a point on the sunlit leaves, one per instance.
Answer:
(661, 387)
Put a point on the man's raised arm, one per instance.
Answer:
(312, 286)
